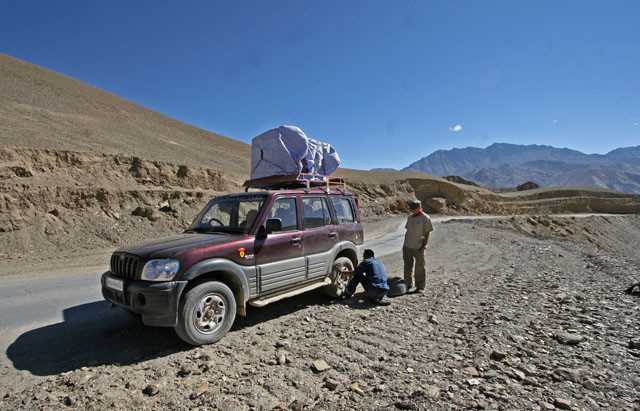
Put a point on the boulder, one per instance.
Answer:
(437, 204)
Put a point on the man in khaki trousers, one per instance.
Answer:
(415, 242)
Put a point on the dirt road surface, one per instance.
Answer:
(527, 313)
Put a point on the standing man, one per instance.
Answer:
(372, 274)
(415, 242)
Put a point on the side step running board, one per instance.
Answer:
(265, 301)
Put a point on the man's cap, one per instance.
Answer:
(415, 204)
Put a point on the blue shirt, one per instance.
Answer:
(375, 275)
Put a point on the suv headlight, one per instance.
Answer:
(160, 270)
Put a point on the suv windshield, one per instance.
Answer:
(231, 214)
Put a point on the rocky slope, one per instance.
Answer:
(55, 204)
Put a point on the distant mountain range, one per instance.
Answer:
(508, 165)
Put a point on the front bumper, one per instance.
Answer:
(156, 302)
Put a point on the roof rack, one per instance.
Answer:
(307, 180)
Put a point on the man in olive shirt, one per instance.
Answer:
(415, 242)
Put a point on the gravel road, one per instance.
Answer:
(514, 317)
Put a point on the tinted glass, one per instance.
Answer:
(316, 212)
(344, 212)
(285, 210)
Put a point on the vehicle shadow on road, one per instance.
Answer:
(91, 334)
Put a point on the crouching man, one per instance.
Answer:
(372, 274)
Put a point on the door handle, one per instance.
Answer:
(332, 234)
(296, 240)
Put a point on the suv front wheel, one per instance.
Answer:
(339, 281)
(206, 313)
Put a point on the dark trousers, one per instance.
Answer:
(370, 292)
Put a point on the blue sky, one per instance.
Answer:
(385, 82)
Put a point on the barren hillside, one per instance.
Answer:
(40, 108)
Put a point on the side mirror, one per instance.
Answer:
(274, 224)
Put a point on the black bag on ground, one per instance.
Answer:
(397, 286)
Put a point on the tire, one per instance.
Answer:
(338, 280)
(206, 313)
(397, 286)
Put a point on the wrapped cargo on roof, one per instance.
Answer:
(286, 150)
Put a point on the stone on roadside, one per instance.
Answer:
(433, 391)
(437, 204)
(151, 390)
(379, 388)
(331, 384)
(518, 375)
(562, 403)
(472, 371)
(200, 390)
(528, 369)
(490, 374)
(355, 386)
(590, 385)
(282, 359)
(320, 366)
(568, 338)
(184, 371)
(568, 374)
(498, 356)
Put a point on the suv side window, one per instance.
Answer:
(316, 212)
(344, 212)
(285, 210)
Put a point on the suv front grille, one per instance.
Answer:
(125, 265)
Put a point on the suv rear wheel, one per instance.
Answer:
(206, 313)
(339, 281)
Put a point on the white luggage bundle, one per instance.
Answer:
(286, 150)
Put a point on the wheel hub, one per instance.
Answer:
(209, 313)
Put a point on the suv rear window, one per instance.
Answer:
(344, 211)
(316, 212)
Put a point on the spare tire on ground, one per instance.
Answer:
(397, 286)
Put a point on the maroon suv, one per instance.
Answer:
(253, 247)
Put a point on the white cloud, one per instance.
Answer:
(554, 122)
(457, 127)
(636, 124)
